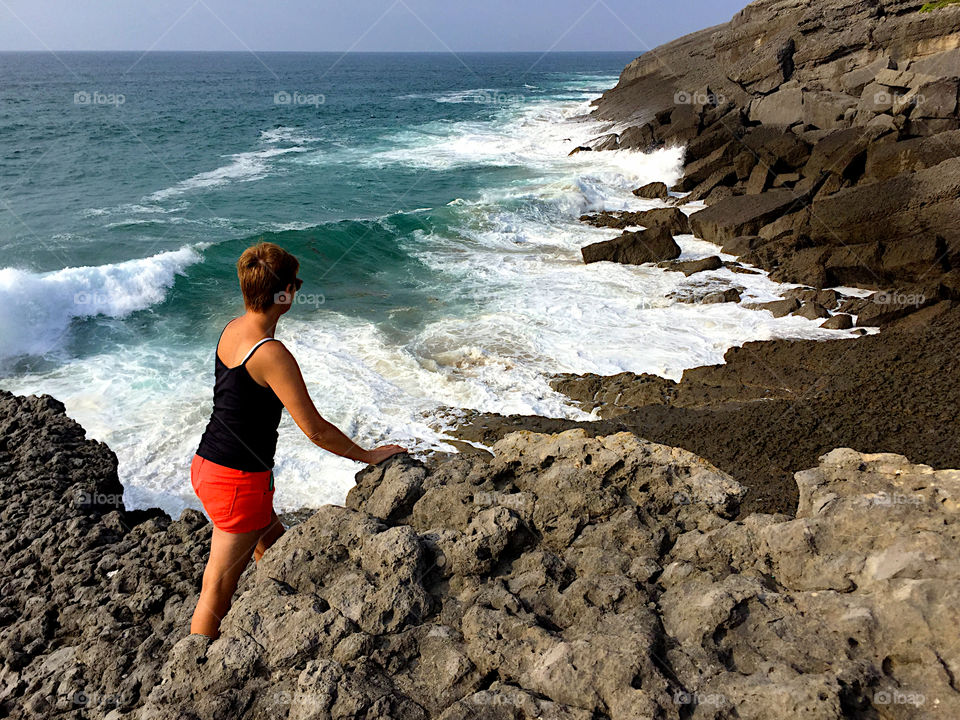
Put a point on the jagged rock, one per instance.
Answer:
(673, 219)
(783, 107)
(762, 586)
(634, 248)
(828, 298)
(610, 141)
(888, 305)
(94, 595)
(722, 296)
(779, 308)
(886, 160)
(690, 267)
(638, 137)
(653, 191)
(840, 321)
(811, 311)
(757, 182)
(742, 215)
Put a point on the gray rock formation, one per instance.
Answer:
(634, 248)
(828, 131)
(577, 577)
(567, 577)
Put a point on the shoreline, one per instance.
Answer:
(826, 165)
(772, 537)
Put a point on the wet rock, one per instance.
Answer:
(722, 296)
(634, 248)
(840, 321)
(652, 191)
(779, 308)
(690, 267)
(742, 215)
(674, 219)
(811, 311)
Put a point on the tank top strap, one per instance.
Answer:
(254, 348)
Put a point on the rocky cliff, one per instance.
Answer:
(568, 577)
(824, 137)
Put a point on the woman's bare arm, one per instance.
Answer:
(274, 365)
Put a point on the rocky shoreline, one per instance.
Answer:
(568, 577)
(711, 548)
(825, 140)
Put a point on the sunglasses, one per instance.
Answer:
(297, 283)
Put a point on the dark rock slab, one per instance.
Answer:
(634, 248)
(690, 267)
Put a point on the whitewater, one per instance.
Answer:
(470, 303)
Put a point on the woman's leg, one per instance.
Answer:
(270, 535)
(229, 555)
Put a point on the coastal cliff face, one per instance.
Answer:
(568, 577)
(824, 137)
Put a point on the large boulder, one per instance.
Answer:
(743, 214)
(674, 219)
(652, 191)
(574, 575)
(634, 248)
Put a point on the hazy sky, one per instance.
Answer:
(362, 25)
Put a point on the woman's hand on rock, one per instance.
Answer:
(379, 454)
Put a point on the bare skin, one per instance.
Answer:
(275, 367)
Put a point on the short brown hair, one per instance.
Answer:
(265, 270)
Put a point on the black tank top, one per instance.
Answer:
(242, 432)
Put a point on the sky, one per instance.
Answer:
(357, 25)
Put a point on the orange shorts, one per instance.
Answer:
(236, 501)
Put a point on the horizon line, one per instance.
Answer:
(343, 52)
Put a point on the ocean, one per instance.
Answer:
(430, 199)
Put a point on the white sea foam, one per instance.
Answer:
(286, 134)
(36, 308)
(243, 167)
(536, 310)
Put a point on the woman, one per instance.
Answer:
(232, 471)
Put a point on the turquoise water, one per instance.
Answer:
(429, 198)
